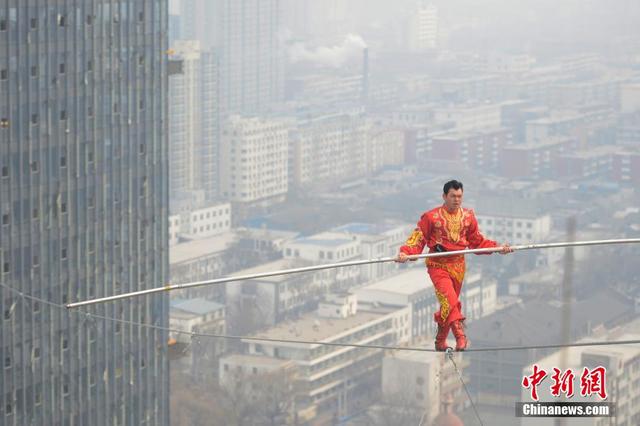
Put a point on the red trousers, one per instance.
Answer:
(447, 282)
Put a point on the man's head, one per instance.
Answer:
(452, 194)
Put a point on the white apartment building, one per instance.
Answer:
(207, 221)
(193, 122)
(238, 366)
(479, 296)
(198, 316)
(514, 221)
(332, 374)
(411, 288)
(412, 379)
(376, 240)
(199, 223)
(324, 148)
(384, 147)
(324, 247)
(254, 160)
(422, 29)
(201, 259)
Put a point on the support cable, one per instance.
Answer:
(449, 355)
(89, 315)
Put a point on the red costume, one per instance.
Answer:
(451, 231)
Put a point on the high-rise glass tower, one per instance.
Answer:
(83, 208)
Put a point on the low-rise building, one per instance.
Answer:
(518, 221)
(197, 316)
(534, 159)
(423, 382)
(376, 240)
(412, 288)
(496, 376)
(195, 223)
(202, 259)
(334, 375)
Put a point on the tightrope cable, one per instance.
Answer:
(310, 342)
(449, 355)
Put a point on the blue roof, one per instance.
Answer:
(198, 306)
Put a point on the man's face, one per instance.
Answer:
(453, 199)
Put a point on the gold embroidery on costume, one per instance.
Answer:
(414, 238)
(453, 223)
(455, 267)
(444, 305)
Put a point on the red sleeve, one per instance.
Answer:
(418, 238)
(475, 238)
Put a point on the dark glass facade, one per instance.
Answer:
(83, 210)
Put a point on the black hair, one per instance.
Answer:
(452, 184)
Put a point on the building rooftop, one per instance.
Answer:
(594, 152)
(456, 135)
(315, 328)
(276, 265)
(539, 144)
(198, 306)
(268, 233)
(540, 322)
(366, 228)
(411, 281)
(323, 242)
(255, 361)
(195, 249)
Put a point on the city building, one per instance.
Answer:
(496, 377)
(478, 88)
(464, 118)
(519, 221)
(534, 159)
(479, 149)
(200, 223)
(323, 148)
(422, 28)
(254, 161)
(626, 167)
(333, 376)
(376, 240)
(264, 301)
(83, 200)
(202, 259)
(198, 356)
(411, 288)
(593, 162)
(194, 124)
(424, 382)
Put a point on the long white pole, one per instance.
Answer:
(171, 287)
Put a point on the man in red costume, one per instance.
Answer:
(448, 228)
